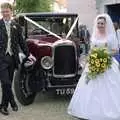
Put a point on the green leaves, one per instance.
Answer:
(33, 5)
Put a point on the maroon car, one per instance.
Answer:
(53, 40)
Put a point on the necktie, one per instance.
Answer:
(9, 41)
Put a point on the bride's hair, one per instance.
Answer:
(102, 18)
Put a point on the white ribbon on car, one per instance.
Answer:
(72, 27)
(41, 27)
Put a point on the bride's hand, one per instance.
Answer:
(114, 51)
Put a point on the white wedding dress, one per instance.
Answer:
(100, 98)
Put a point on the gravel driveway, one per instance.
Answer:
(45, 107)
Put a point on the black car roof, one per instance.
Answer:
(49, 14)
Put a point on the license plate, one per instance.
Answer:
(65, 91)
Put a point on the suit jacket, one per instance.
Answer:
(17, 42)
(84, 35)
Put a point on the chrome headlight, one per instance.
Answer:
(46, 62)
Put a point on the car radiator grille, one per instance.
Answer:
(64, 60)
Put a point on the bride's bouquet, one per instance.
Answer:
(99, 60)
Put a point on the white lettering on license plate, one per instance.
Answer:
(63, 91)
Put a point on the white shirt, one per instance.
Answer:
(7, 25)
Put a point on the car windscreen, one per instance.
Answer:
(57, 25)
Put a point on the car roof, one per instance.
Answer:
(48, 14)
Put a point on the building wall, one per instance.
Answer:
(10, 1)
(103, 3)
(86, 10)
(59, 6)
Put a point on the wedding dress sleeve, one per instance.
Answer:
(113, 43)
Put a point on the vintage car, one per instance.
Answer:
(53, 41)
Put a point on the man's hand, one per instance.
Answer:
(30, 61)
(32, 58)
(21, 57)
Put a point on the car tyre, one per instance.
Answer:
(23, 96)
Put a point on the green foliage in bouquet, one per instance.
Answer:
(99, 60)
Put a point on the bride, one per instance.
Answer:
(99, 99)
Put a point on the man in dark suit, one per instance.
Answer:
(85, 37)
(10, 40)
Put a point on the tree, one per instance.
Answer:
(33, 5)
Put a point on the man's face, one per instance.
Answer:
(6, 13)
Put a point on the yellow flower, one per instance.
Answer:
(103, 65)
(97, 70)
(94, 55)
(92, 61)
(105, 51)
(101, 59)
(97, 64)
(105, 60)
(97, 61)
(93, 69)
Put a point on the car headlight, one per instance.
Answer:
(46, 62)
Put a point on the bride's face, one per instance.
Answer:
(101, 24)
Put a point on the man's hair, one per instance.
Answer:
(6, 5)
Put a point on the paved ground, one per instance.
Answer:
(45, 107)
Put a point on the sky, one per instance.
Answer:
(11, 1)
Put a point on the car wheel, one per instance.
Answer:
(21, 87)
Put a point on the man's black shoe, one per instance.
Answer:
(4, 111)
(15, 108)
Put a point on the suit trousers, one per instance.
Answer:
(6, 77)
